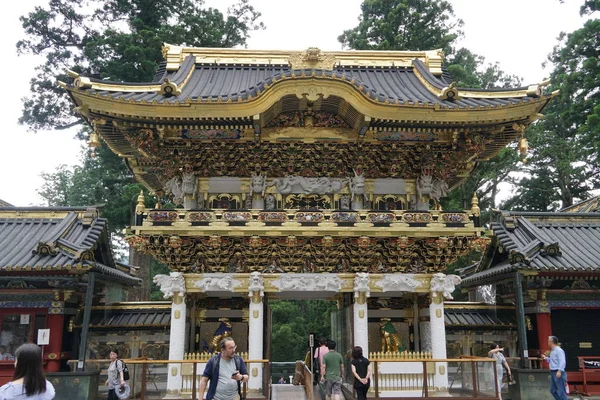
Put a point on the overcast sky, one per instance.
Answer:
(518, 34)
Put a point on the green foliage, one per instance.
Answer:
(469, 70)
(101, 181)
(120, 40)
(293, 321)
(157, 268)
(563, 166)
(404, 25)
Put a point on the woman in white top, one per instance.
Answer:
(115, 375)
(496, 353)
(29, 381)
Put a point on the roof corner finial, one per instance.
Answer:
(475, 210)
(141, 204)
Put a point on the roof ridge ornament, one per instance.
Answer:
(312, 58)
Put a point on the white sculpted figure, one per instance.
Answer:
(327, 283)
(439, 190)
(258, 184)
(286, 184)
(170, 284)
(424, 183)
(270, 202)
(345, 202)
(361, 284)
(444, 283)
(174, 187)
(357, 185)
(256, 284)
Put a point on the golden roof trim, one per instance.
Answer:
(298, 86)
(533, 91)
(174, 55)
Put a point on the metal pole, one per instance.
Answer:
(85, 325)
(524, 354)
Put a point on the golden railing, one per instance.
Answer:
(313, 217)
(478, 377)
(146, 373)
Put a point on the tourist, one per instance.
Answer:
(496, 353)
(281, 380)
(319, 353)
(226, 371)
(332, 372)
(361, 369)
(115, 379)
(4, 355)
(558, 363)
(28, 381)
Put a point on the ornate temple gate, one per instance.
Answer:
(421, 294)
(304, 172)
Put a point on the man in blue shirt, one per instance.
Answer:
(224, 371)
(558, 363)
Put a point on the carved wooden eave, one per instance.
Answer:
(312, 88)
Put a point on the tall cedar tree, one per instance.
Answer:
(565, 145)
(119, 40)
(427, 25)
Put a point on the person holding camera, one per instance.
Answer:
(496, 353)
(225, 371)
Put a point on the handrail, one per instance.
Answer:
(144, 362)
(425, 384)
(307, 378)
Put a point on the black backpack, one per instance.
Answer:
(237, 360)
(125, 371)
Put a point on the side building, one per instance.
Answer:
(55, 264)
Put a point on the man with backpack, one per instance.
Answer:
(226, 371)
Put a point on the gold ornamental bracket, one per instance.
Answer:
(312, 58)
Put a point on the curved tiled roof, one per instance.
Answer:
(214, 82)
(543, 242)
(65, 242)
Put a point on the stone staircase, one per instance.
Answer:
(287, 392)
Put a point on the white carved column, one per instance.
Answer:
(255, 330)
(441, 286)
(361, 325)
(173, 285)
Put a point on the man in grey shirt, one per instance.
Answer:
(224, 371)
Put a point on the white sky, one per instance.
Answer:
(517, 33)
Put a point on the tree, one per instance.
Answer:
(100, 181)
(120, 40)
(563, 167)
(426, 25)
(293, 321)
(404, 25)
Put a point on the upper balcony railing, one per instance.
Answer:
(308, 217)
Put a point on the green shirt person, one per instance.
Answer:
(332, 372)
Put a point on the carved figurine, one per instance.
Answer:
(189, 184)
(259, 183)
(424, 183)
(345, 202)
(270, 202)
(174, 187)
(357, 184)
(438, 190)
(224, 330)
(391, 341)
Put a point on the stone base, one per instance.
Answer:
(531, 384)
(75, 385)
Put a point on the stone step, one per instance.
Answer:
(287, 392)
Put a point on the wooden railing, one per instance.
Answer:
(303, 376)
